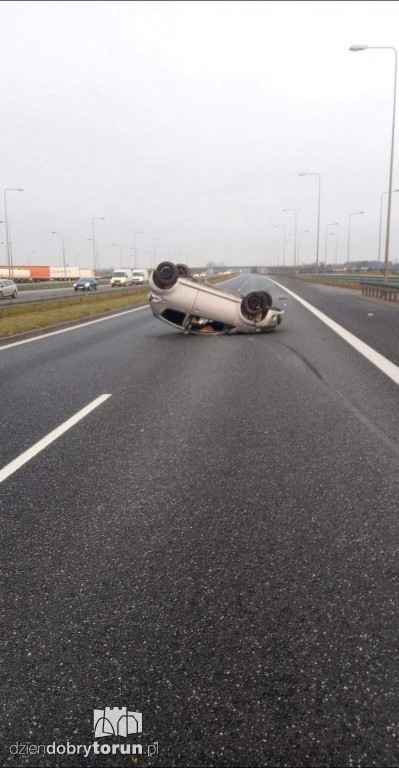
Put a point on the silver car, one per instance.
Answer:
(195, 307)
(8, 288)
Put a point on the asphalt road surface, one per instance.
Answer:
(214, 545)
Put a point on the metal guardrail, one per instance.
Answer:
(22, 287)
(348, 278)
(52, 285)
(380, 291)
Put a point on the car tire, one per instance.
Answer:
(269, 300)
(1, 295)
(183, 270)
(254, 304)
(15, 294)
(165, 275)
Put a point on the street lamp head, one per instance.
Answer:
(358, 47)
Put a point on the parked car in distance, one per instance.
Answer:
(85, 284)
(193, 306)
(8, 288)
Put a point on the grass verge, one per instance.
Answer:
(21, 319)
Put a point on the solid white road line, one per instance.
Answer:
(381, 362)
(31, 452)
(71, 328)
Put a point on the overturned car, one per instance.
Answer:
(195, 307)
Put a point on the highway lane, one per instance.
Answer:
(214, 546)
(374, 321)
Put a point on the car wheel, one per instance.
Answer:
(15, 294)
(269, 300)
(1, 295)
(254, 304)
(165, 275)
(183, 270)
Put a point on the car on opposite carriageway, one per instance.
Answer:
(85, 284)
(8, 288)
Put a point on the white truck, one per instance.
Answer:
(140, 276)
(17, 274)
(122, 277)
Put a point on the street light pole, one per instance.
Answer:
(8, 234)
(285, 210)
(379, 238)
(63, 250)
(318, 217)
(356, 48)
(355, 213)
(282, 226)
(96, 218)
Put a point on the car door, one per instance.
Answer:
(5, 288)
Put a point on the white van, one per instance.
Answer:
(122, 277)
(140, 276)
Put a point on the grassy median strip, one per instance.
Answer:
(29, 317)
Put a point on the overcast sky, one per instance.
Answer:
(190, 122)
